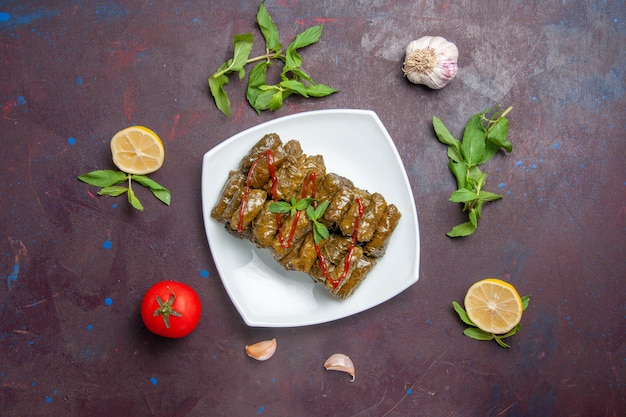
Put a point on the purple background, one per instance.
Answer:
(74, 266)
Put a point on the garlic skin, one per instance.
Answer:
(340, 362)
(262, 351)
(431, 60)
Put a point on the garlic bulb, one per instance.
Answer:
(431, 60)
(262, 351)
(340, 362)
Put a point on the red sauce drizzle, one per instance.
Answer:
(311, 181)
(346, 261)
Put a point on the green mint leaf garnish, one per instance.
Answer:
(108, 180)
(259, 94)
(484, 135)
(103, 178)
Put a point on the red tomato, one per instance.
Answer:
(171, 309)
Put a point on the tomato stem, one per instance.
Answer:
(165, 309)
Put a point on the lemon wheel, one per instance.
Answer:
(494, 306)
(137, 150)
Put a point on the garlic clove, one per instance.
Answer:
(431, 60)
(340, 362)
(262, 351)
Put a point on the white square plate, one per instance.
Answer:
(356, 145)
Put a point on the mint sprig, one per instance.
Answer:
(478, 334)
(320, 232)
(484, 135)
(108, 179)
(260, 94)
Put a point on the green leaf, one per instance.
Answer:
(147, 182)
(463, 195)
(276, 102)
(159, 191)
(455, 154)
(525, 301)
(320, 232)
(497, 134)
(243, 46)
(459, 170)
(216, 85)
(320, 90)
(473, 145)
(268, 28)
(477, 334)
(501, 342)
(263, 100)
(256, 79)
(133, 200)
(306, 38)
(462, 313)
(295, 86)
(103, 178)
(486, 196)
(473, 216)
(463, 229)
(113, 191)
(303, 203)
(320, 209)
(280, 207)
(163, 195)
(444, 135)
(299, 73)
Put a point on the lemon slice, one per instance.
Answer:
(137, 150)
(494, 306)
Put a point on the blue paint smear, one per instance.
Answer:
(107, 244)
(108, 301)
(71, 140)
(20, 101)
(204, 273)
(261, 409)
(48, 399)
(409, 391)
(10, 22)
(90, 327)
(13, 276)
(154, 381)
(79, 81)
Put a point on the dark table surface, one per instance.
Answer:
(75, 265)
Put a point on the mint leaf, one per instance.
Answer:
(477, 334)
(216, 85)
(463, 229)
(256, 79)
(463, 195)
(462, 313)
(444, 135)
(306, 38)
(268, 28)
(280, 207)
(320, 232)
(243, 46)
(473, 145)
(113, 191)
(133, 200)
(103, 178)
(320, 90)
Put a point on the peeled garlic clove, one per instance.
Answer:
(431, 60)
(262, 351)
(340, 362)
